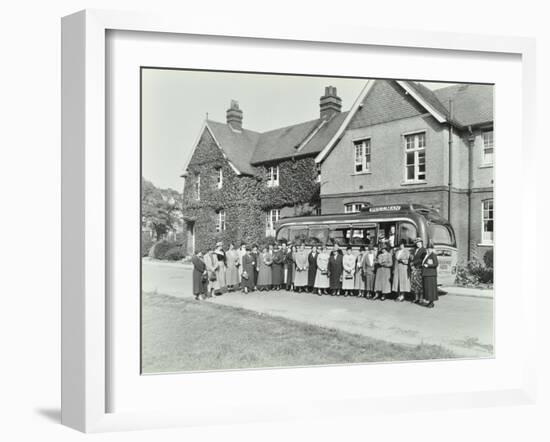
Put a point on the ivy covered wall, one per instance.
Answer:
(245, 199)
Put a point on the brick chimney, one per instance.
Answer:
(235, 116)
(330, 104)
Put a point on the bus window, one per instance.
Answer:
(340, 235)
(282, 234)
(318, 235)
(298, 235)
(407, 231)
(362, 235)
(440, 234)
(387, 233)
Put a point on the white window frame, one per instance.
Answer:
(484, 161)
(272, 216)
(273, 176)
(198, 187)
(220, 220)
(366, 151)
(219, 178)
(416, 149)
(484, 234)
(354, 207)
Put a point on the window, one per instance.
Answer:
(271, 218)
(488, 147)
(197, 187)
(317, 235)
(220, 221)
(219, 174)
(441, 235)
(415, 157)
(273, 176)
(298, 235)
(362, 156)
(407, 232)
(318, 178)
(487, 222)
(353, 207)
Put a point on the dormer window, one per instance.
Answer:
(273, 176)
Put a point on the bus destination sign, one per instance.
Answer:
(384, 208)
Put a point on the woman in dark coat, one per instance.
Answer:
(429, 277)
(247, 275)
(312, 270)
(335, 269)
(290, 264)
(277, 268)
(382, 281)
(199, 276)
(418, 256)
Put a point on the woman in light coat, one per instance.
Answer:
(382, 284)
(211, 262)
(348, 274)
(322, 282)
(232, 270)
(369, 270)
(264, 274)
(401, 280)
(301, 271)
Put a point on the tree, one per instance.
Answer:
(160, 209)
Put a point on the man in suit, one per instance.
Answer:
(255, 256)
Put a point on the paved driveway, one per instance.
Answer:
(463, 324)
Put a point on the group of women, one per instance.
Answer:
(375, 273)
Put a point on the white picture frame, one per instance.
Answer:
(85, 214)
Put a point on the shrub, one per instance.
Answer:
(488, 258)
(174, 254)
(474, 273)
(162, 247)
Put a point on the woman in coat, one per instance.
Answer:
(232, 268)
(289, 267)
(301, 271)
(348, 274)
(359, 284)
(416, 271)
(211, 262)
(401, 282)
(220, 271)
(335, 269)
(247, 276)
(429, 277)
(264, 274)
(322, 282)
(369, 270)
(312, 270)
(277, 268)
(382, 284)
(200, 276)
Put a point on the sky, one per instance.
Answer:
(175, 104)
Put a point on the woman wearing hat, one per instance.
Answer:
(429, 277)
(200, 276)
(401, 282)
(232, 268)
(248, 271)
(322, 282)
(277, 268)
(416, 270)
(382, 282)
(348, 274)
(369, 266)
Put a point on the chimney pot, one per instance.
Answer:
(234, 116)
(330, 103)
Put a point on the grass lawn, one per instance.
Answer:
(184, 335)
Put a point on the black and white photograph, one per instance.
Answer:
(295, 221)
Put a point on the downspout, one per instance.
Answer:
(471, 140)
(450, 159)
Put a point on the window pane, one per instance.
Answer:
(298, 234)
(440, 235)
(407, 231)
(410, 158)
(339, 236)
(317, 235)
(410, 172)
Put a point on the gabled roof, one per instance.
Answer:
(472, 103)
(237, 146)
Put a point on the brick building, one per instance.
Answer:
(399, 142)
(402, 142)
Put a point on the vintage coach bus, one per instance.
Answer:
(374, 222)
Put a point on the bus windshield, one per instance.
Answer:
(440, 234)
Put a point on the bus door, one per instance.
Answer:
(362, 234)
